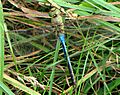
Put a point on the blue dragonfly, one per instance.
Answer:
(57, 19)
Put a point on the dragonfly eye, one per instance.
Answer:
(55, 15)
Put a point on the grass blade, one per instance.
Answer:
(19, 85)
(6, 89)
(53, 70)
(1, 45)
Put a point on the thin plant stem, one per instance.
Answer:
(1, 45)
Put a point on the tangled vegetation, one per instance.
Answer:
(29, 55)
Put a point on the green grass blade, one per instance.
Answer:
(111, 86)
(6, 89)
(19, 85)
(87, 76)
(107, 5)
(10, 45)
(1, 44)
(53, 70)
(63, 3)
(98, 69)
(107, 24)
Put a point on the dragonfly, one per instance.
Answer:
(58, 19)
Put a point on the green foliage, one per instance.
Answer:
(32, 61)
